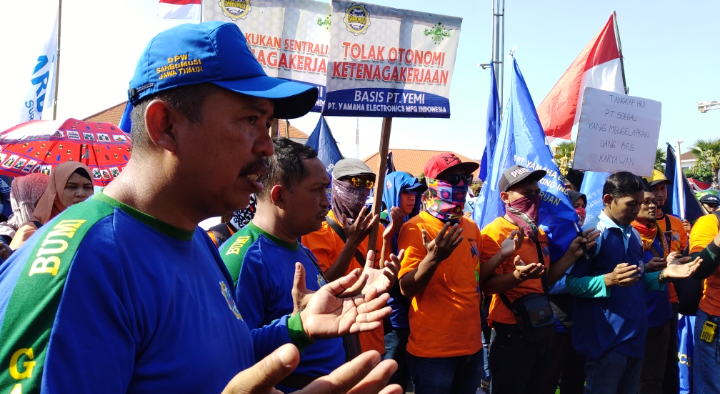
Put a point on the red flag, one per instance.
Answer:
(179, 9)
(597, 66)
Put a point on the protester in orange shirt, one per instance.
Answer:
(705, 243)
(676, 236)
(521, 274)
(440, 274)
(338, 254)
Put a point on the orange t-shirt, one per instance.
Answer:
(678, 242)
(445, 317)
(492, 237)
(703, 232)
(326, 246)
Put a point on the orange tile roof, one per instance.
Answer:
(294, 132)
(111, 115)
(687, 156)
(412, 160)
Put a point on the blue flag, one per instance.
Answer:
(493, 125)
(126, 122)
(324, 143)
(686, 343)
(521, 140)
(672, 205)
(592, 187)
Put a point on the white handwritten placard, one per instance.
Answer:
(617, 132)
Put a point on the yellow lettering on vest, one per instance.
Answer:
(237, 245)
(41, 265)
(17, 389)
(28, 365)
(65, 228)
(43, 251)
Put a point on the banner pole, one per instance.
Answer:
(622, 64)
(379, 182)
(275, 129)
(57, 60)
(679, 177)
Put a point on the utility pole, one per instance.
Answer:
(357, 139)
(498, 46)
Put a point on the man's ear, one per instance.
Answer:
(607, 199)
(277, 196)
(159, 121)
(504, 196)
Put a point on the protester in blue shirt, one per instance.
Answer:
(610, 322)
(402, 193)
(124, 293)
(262, 257)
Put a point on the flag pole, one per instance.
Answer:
(679, 177)
(379, 182)
(57, 60)
(622, 64)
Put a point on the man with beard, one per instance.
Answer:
(610, 314)
(676, 235)
(265, 257)
(520, 274)
(341, 244)
(659, 311)
(124, 292)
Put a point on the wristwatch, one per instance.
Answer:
(661, 278)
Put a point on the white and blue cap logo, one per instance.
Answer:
(215, 52)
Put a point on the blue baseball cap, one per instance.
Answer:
(214, 52)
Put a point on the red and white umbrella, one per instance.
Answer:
(40, 145)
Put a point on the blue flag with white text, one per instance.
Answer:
(592, 187)
(672, 205)
(521, 140)
(493, 125)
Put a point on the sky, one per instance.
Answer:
(671, 54)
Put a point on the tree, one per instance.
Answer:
(703, 175)
(564, 152)
(707, 154)
(660, 160)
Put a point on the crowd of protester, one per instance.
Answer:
(122, 292)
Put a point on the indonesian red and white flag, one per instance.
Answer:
(597, 66)
(180, 9)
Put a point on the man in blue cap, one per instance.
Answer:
(124, 293)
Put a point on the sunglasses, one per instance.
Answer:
(455, 179)
(358, 182)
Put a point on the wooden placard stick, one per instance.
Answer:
(379, 182)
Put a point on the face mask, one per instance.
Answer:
(581, 215)
(446, 201)
(347, 199)
(524, 212)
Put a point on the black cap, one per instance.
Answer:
(516, 174)
(574, 196)
(710, 199)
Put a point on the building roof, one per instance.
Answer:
(412, 160)
(111, 115)
(687, 156)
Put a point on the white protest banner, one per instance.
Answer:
(617, 132)
(289, 38)
(388, 62)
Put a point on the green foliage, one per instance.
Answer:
(703, 174)
(660, 160)
(564, 152)
(707, 153)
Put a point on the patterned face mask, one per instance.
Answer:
(446, 201)
(525, 212)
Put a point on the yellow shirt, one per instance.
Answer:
(703, 232)
(445, 317)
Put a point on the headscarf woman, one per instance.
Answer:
(24, 194)
(70, 183)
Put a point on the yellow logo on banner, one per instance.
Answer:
(235, 9)
(357, 19)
